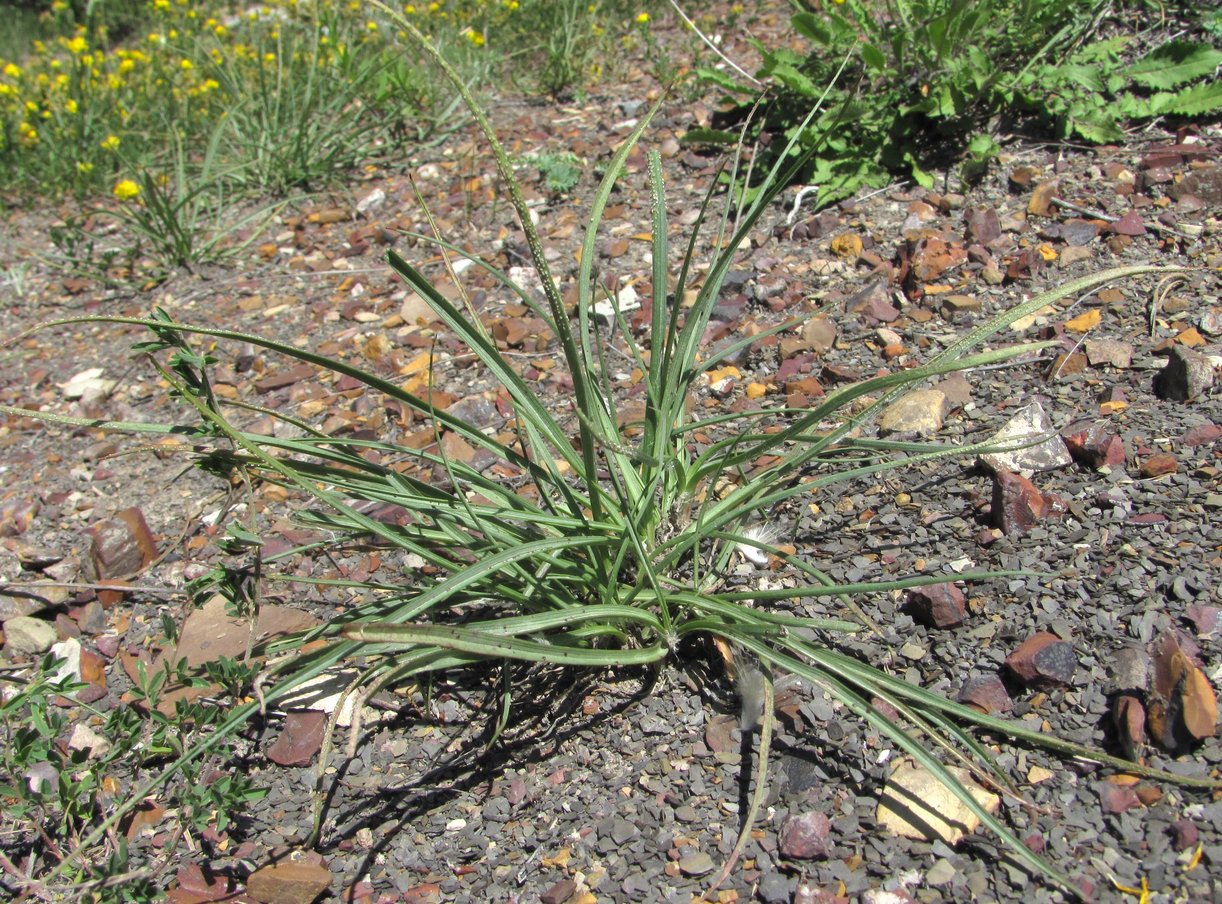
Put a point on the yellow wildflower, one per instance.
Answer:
(185, 65)
(642, 18)
(110, 143)
(476, 38)
(77, 45)
(127, 66)
(84, 168)
(126, 189)
(12, 70)
(70, 105)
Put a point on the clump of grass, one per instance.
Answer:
(606, 544)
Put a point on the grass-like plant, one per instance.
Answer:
(177, 214)
(607, 543)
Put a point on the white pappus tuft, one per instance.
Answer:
(766, 534)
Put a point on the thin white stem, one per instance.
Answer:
(713, 47)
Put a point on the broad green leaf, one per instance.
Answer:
(812, 28)
(791, 78)
(874, 58)
(722, 80)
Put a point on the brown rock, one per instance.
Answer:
(1018, 505)
(299, 740)
(1043, 660)
(1183, 708)
(1130, 224)
(1072, 255)
(953, 305)
(559, 893)
(1109, 351)
(121, 546)
(921, 411)
(939, 605)
(1201, 435)
(283, 378)
(1117, 798)
(1203, 618)
(719, 733)
(1148, 794)
(194, 887)
(1095, 445)
(805, 837)
(982, 225)
(934, 256)
(1130, 717)
(1040, 204)
(1158, 464)
(874, 302)
(1022, 176)
(17, 514)
(1025, 265)
(986, 693)
(290, 882)
(1205, 184)
(820, 333)
(1187, 835)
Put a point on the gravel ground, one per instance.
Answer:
(630, 786)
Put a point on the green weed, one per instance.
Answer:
(920, 84)
(560, 171)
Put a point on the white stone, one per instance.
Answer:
(371, 201)
(25, 635)
(85, 738)
(920, 412)
(915, 804)
(69, 652)
(1032, 442)
(322, 694)
(88, 382)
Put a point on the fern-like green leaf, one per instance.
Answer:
(1175, 64)
(1196, 101)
